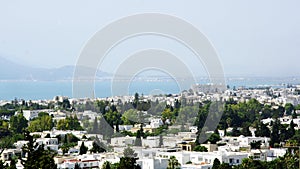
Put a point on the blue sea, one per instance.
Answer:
(40, 90)
(36, 90)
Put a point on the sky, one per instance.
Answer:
(252, 37)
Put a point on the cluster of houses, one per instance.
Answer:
(156, 151)
(151, 155)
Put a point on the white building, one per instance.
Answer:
(232, 158)
(154, 163)
(243, 141)
(7, 154)
(122, 141)
(31, 114)
(155, 123)
(193, 129)
(51, 143)
(196, 166)
(275, 153)
(88, 144)
(85, 163)
(182, 157)
(125, 127)
(19, 144)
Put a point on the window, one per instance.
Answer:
(256, 156)
(231, 160)
(238, 161)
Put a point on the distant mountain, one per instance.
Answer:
(13, 71)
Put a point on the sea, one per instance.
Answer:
(46, 90)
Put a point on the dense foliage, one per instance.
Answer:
(239, 117)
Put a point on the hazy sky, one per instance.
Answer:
(252, 37)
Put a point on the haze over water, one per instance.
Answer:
(34, 90)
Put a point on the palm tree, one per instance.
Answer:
(173, 163)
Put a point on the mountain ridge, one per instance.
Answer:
(13, 71)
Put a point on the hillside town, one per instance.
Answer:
(256, 125)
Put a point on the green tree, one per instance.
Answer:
(214, 138)
(139, 134)
(127, 162)
(245, 131)
(4, 129)
(2, 164)
(65, 104)
(70, 123)
(291, 130)
(225, 166)
(136, 100)
(200, 148)
(262, 130)
(161, 141)
(83, 149)
(69, 141)
(106, 165)
(173, 163)
(18, 123)
(167, 114)
(255, 145)
(200, 120)
(113, 117)
(289, 108)
(98, 147)
(37, 156)
(130, 117)
(128, 152)
(66, 147)
(42, 123)
(266, 112)
(216, 164)
(274, 137)
(129, 159)
(13, 163)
